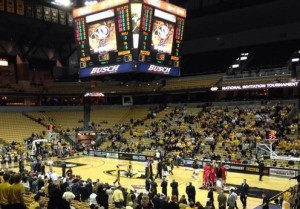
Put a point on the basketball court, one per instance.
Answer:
(104, 168)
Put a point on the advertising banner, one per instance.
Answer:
(157, 69)
(100, 154)
(234, 167)
(140, 158)
(112, 155)
(254, 169)
(125, 156)
(283, 172)
(105, 70)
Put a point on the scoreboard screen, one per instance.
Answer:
(162, 26)
(104, 38)
(271, 135)
(121, 36)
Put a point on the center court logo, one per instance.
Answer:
(123, 173)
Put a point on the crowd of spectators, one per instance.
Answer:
(230, 133)
(233, 132)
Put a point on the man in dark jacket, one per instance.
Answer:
(261, 167)
(153, 186)
(164, 185)
(191, 192)
(147, 184)
(63, 168)
(174, 186)
(265, 203)
(173, 203)
(244, 193)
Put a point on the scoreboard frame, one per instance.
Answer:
(147, 41)
(159, 50)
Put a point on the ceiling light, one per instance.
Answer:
(89, 3)
(65, 3)
(235, 65)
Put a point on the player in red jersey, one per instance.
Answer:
(224, 174)
(213, 177)
(206, 174)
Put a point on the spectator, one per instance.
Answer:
(164, 186)
(118, 198)
(4, 192)
(35, 204)
(174, 186)
(231, 202)
(173, 203)
(68, 195)
(16, 193)
(222, 200)
(191, 192)
(93, 201)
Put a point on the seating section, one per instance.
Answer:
(185, 127)
(243, 126)
(69, 88)
(66, 121)
(17, 127)
(207, 81)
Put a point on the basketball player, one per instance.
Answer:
(117, 176)
(129, 170)
(196, 170)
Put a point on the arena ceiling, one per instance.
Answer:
(209, 22)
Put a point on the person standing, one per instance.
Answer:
(173, 203)
(146, 164)
(164, 186)
(16, 193)
(150, 169)
(21, 164)
(219, 172)
(265, 203)
(174, 186)
(222, 200)
(118, 198)
(153, 185)
(210, 196)
(231, 202)
(4, 192)
(129, 170)
(195, 170)
(159, 170)
(261, 167)
(236, 196)
(244, 193)
(147, 184)
(224, 174)
(63, 168)
(117, 176)
(191, 192)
